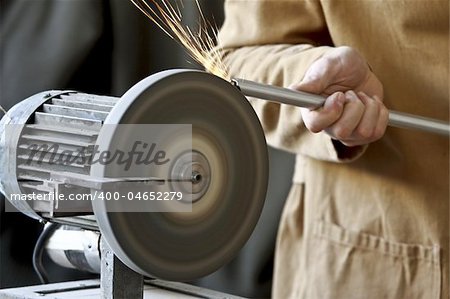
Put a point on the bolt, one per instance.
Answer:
(196, 177)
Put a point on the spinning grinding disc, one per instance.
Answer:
(227, 171)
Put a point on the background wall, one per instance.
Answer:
(105, 47)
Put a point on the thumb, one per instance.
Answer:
(318, 77)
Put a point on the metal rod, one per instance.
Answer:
(312, 101)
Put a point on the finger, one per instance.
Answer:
(381, 123)
(317, 120)
(368, 124)
(318, 76)
(379, 126)
(351, 116)
(383, 119)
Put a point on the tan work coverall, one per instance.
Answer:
(374, 224)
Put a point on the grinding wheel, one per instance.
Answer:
(229, 167)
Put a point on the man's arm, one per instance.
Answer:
(271, 41)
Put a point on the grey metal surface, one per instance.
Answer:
(117, 280)
(47, 119)
(190, 245)
(90, 289)
(86, 222)
(307, 100)
(409, 121)
(188, 290)
(15, 119)
(75, 248)
(87, 181)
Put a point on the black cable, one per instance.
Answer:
(38, 251)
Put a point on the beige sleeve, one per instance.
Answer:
(271, 41)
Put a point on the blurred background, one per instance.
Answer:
(104, 47)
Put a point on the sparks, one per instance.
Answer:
(200, 45)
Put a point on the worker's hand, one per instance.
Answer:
(354, 112)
